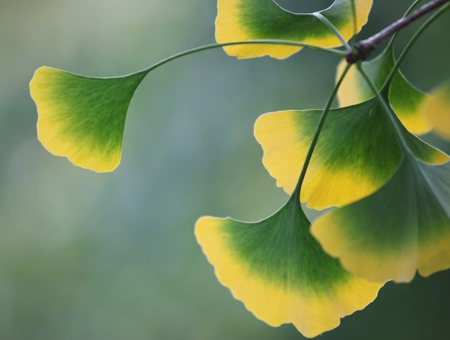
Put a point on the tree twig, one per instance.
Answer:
(363, 48)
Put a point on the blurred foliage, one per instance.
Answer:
(89, 256)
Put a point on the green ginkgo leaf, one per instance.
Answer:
(265, 19)
(280, 272)
(401, 228)
(357, 152)
(82, 118)
(406, 100)
(437, 108)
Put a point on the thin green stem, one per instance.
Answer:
(386, 108)
(244, 42)
(333, 28)
(414, 38)
(355, 19)
(319, 128)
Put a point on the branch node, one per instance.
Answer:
(360, 52)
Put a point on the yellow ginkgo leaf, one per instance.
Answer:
(401, 228)
(280, 272)
(357, 152)
(265, 19)
(82, 118)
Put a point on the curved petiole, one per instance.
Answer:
(244, 42)
(315, 139)
(333, 28)
(386, 108)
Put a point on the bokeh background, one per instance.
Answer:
(113, 256)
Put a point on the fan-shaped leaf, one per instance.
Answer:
(264, 19)
(278, 270)
(82, 118)
(357, 152)
(402, 227)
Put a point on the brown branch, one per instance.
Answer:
(363, 48)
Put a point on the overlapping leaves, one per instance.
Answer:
(363, 148)
(358, 151)
(403, 227)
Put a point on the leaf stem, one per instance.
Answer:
(327, 23)
(391, 115)
(234, 43)
(355, 19)
(315, 139)
(364, 47)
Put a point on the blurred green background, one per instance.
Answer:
(113, 256)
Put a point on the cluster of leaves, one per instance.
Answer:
(391, 189)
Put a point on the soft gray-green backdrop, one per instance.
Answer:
(90, 256)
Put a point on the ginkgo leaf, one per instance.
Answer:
(357, 152)
(401, 228)
(82, 118)
(437, 109)
(406, 100)
(265, 19)
(279, 271)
